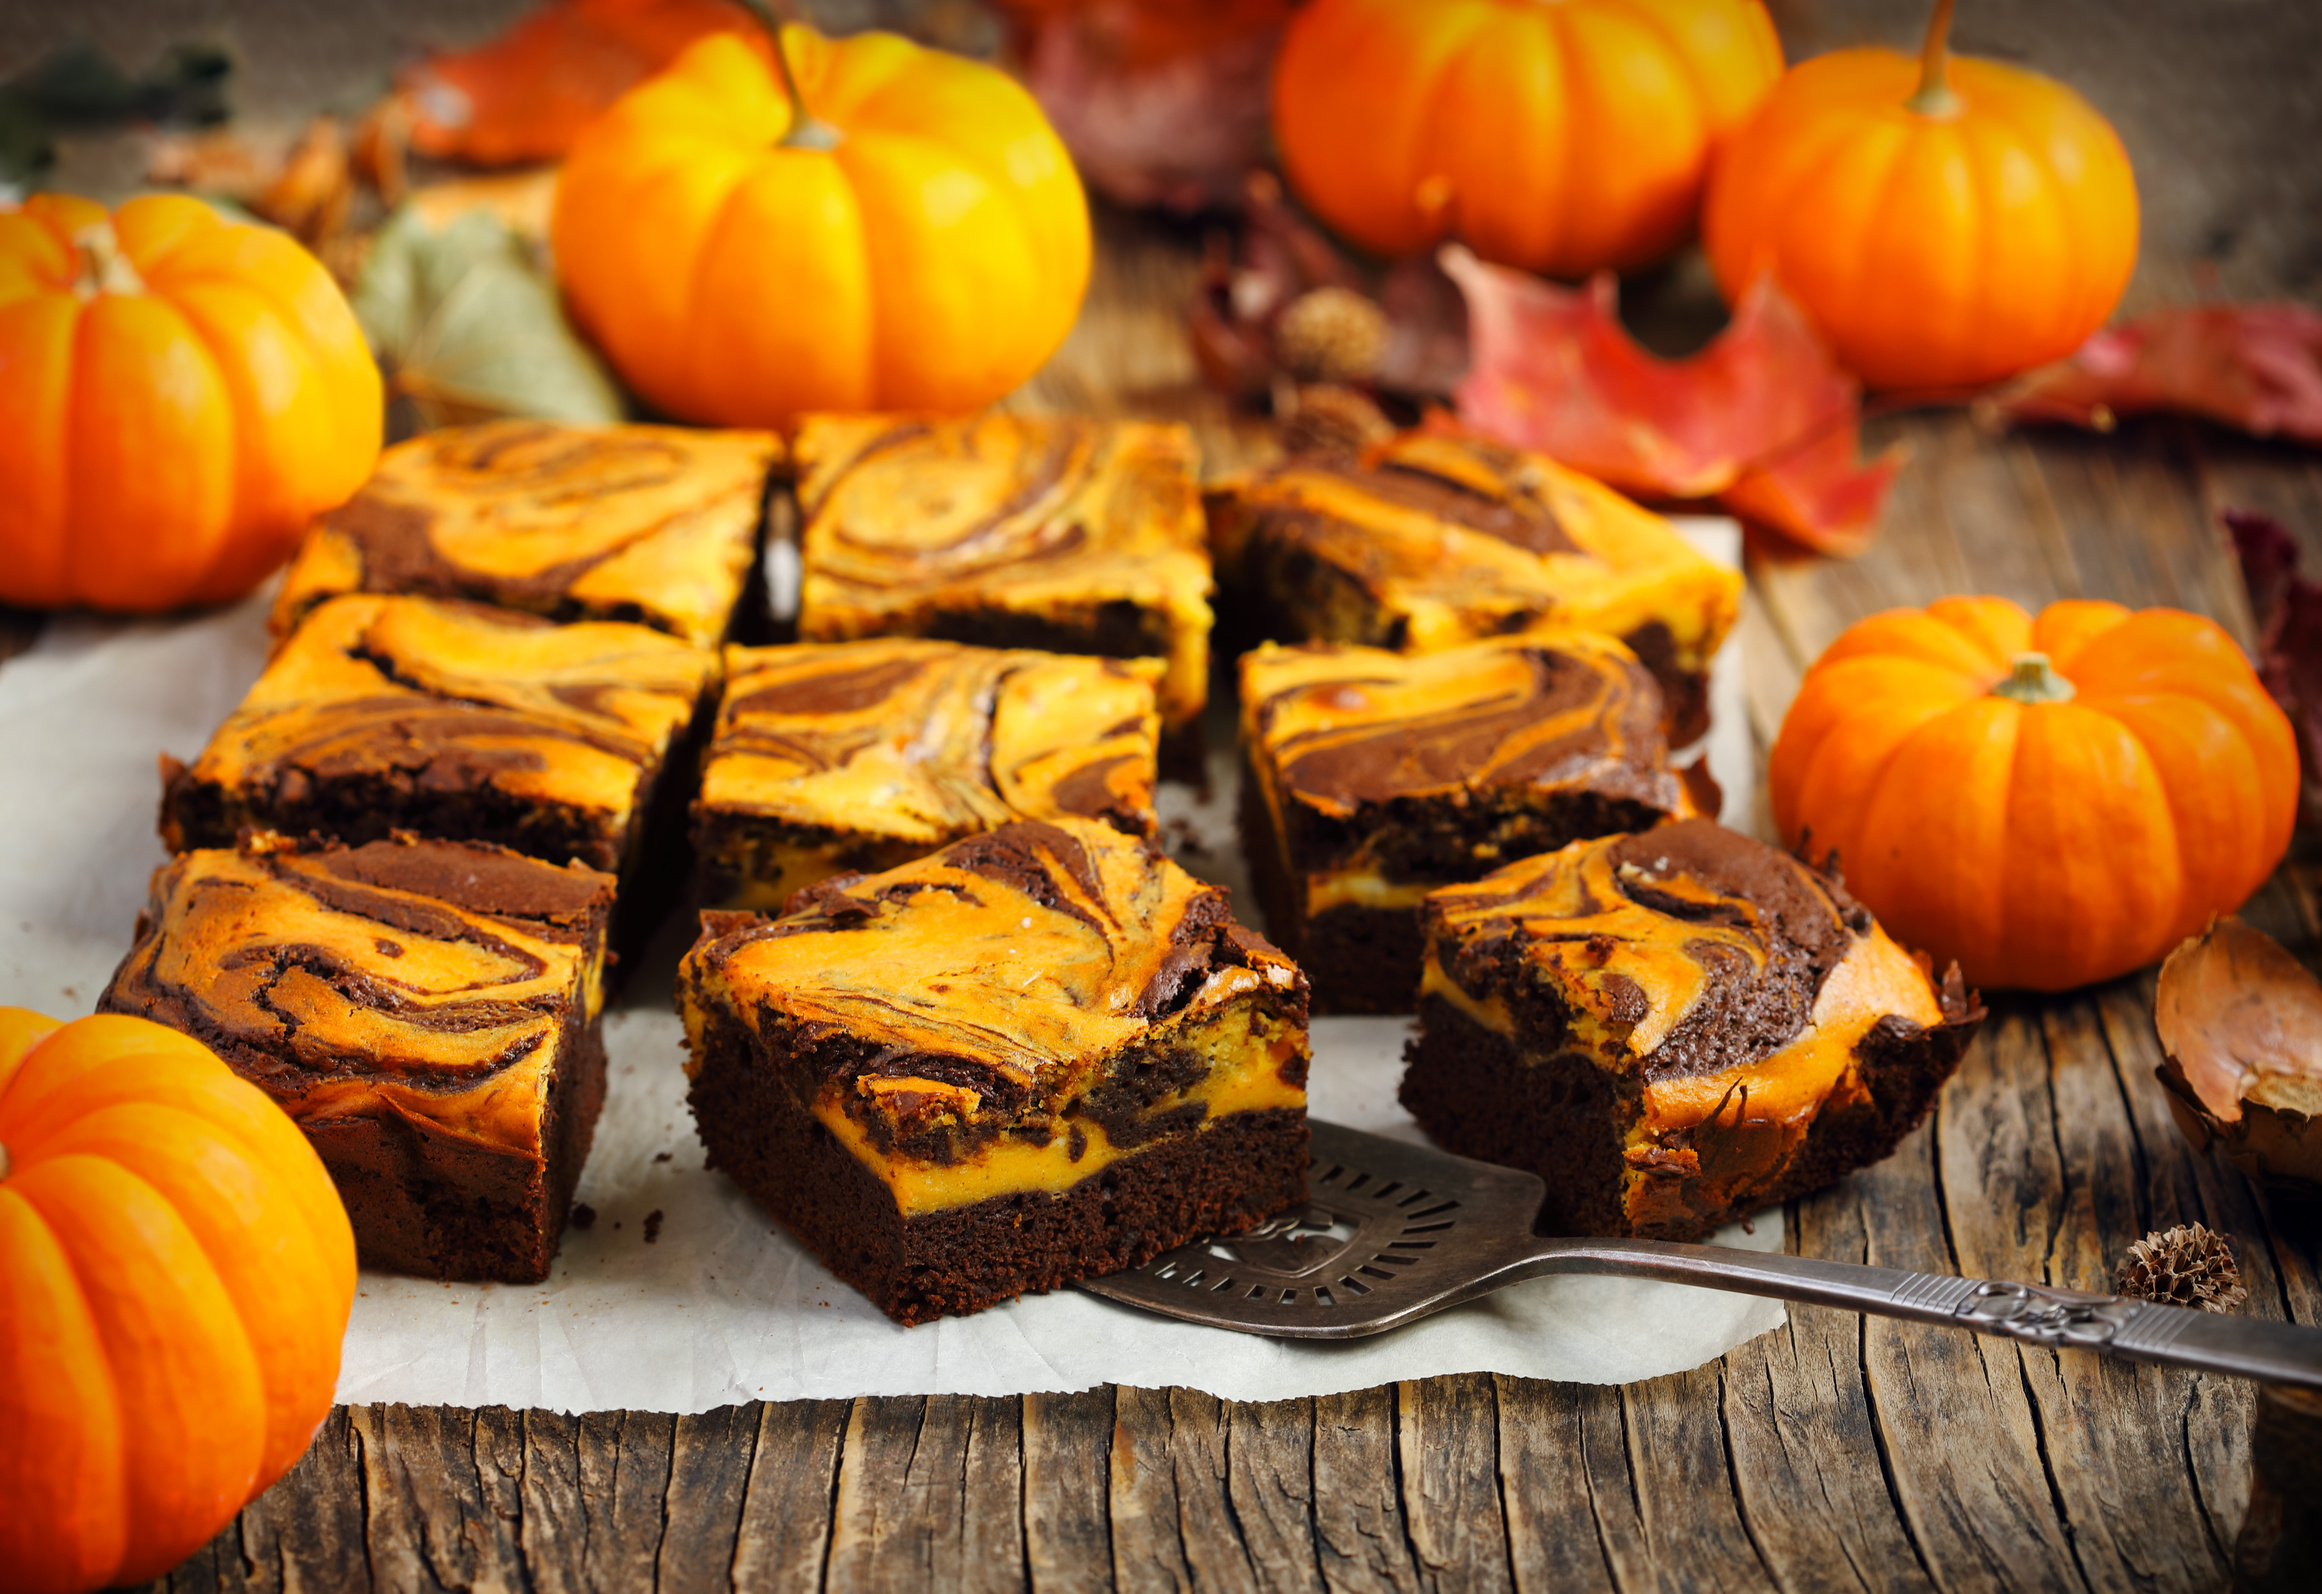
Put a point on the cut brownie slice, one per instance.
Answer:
(1010, 531)
(654, 524)
(864, 755)
(471, 724)
(1370, 778)
(1673, 1030)
(1042, 1054)
(426, 1011)
(1430, 539)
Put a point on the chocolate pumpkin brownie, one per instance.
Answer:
(1429, 540)
(427, 1011)
(1370, 778)
(1042, 1054)
(473, 724)
(864, 755)
(1051, 532)
(1673, 1029)
(655, 524)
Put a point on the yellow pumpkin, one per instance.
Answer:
(179, 396)
(907, 232)
(175, 1275)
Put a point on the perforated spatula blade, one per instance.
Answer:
(1393, 1232)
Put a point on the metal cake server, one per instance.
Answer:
(1392, 1232)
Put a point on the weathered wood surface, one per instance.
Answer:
(1837, 1453)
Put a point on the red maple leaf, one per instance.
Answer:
(525, 95)
(1160, 103)
(2287, 606)
(2257, 367)
(1764, 418)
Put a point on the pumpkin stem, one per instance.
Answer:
(807, 131)
(2034, 680)
(104, 268)
(1935, 96)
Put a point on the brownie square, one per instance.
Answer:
(1044, 1053)
(1010, 531)
(1673, 1029)
(1370, 778)
(652, 524)
(466, 723)
(427, 1011)
(1433, 539)
(862, 755)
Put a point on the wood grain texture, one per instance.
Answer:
(1837, 1453)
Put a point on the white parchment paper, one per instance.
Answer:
(682, 1296)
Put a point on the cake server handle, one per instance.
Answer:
(2219, 1342)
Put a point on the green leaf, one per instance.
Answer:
(470, 329)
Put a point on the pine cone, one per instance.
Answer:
(1333, 420)
(2185, 1266)
(1330, 335)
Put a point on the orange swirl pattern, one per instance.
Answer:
(909, 523)
(420, 698)
(341, 986)
(900, 744)
(1337, 727)
(1669, 952)
(1431, 540)
(1734, 996)
(985, 1000)
(650, 523)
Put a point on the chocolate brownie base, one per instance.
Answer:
(357, 805)
(1561, 1117)
(1116, 629)
(428, 1203)
(1556, 1116)
(1238, 1171)
(733, 849)
(1262, 856)
(1684, 693)
(660, 864)
(1356, 959)
(1363, 960)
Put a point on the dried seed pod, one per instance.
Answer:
(1330, 334)
(2240, 1020)
(2188, 1265)
(1330, 419)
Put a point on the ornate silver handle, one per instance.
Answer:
(2247, 1347)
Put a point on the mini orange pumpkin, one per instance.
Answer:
(1562, 138)
(1944, 222)
(175, 1275)
(919, 241)
(179, 396)
(2047, 801)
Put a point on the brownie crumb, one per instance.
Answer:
(584, 1216)
(652, 1225)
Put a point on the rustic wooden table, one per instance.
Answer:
(1838, 1452)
